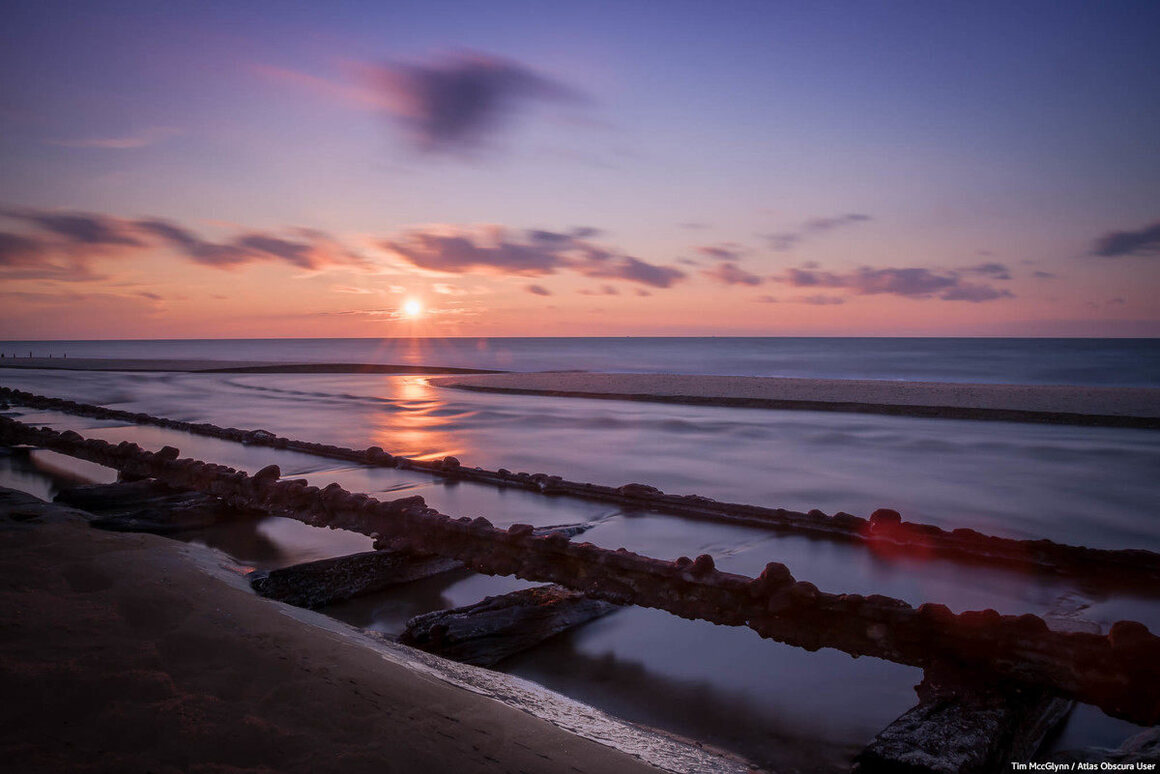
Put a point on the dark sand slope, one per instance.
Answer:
(1111, 406)
(136, 653)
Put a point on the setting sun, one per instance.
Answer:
(412, 308)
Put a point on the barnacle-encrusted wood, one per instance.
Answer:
(1119, 672)
(1132, 568)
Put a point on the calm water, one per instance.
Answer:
(1122, 362)
(778, 705)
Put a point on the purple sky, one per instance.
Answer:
(257, 169)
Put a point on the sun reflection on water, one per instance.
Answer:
(416, 426)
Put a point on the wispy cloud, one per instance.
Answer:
(80, 228)
(787, 240)
(604, 290)
(726, 252)
(500, 251)
(996, 271)
(917, 283)
(144, 138)
(820, 299)
(729, 273)
(64, 245)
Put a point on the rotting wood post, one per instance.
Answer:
(964, 724)
(326, 581)
(1119, 673)
(145, 505)
(489, 631)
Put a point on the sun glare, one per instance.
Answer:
(412, 308)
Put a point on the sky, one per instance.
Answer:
(268, 169)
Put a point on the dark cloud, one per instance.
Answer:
(634, 270)
(548, 237)
(499, 251)
(965, 291)
(64, 245)
(19, 250)
(192, 246)
(787, 240)
(460, 254)
(36, 258)
(300, 254)
(82, 229)
(907, 282)
(729, 273)
(538, 290)
(1042, 275)
(720, 252)
(314, 251)
(455, 104)
(1145, 241)
(993, 270)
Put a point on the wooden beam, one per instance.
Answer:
(146, 505)
(489, 631)
(326, 581)
(964, 724)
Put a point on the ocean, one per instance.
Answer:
(780, 706)
(1107, 362)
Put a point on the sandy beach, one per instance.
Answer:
(137, 653)
(1046, 403)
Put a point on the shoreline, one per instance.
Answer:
(166, 642)
(1134, 407)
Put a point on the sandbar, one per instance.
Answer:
(1061, 404)
(224, 366)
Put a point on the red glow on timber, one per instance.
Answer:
(889, 537)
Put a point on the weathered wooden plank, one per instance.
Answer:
(1141, 752)
(964, 725)
(489, 631)
(326, 581)
(146, 505)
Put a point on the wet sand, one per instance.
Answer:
(1114, 406)
(133, 652)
